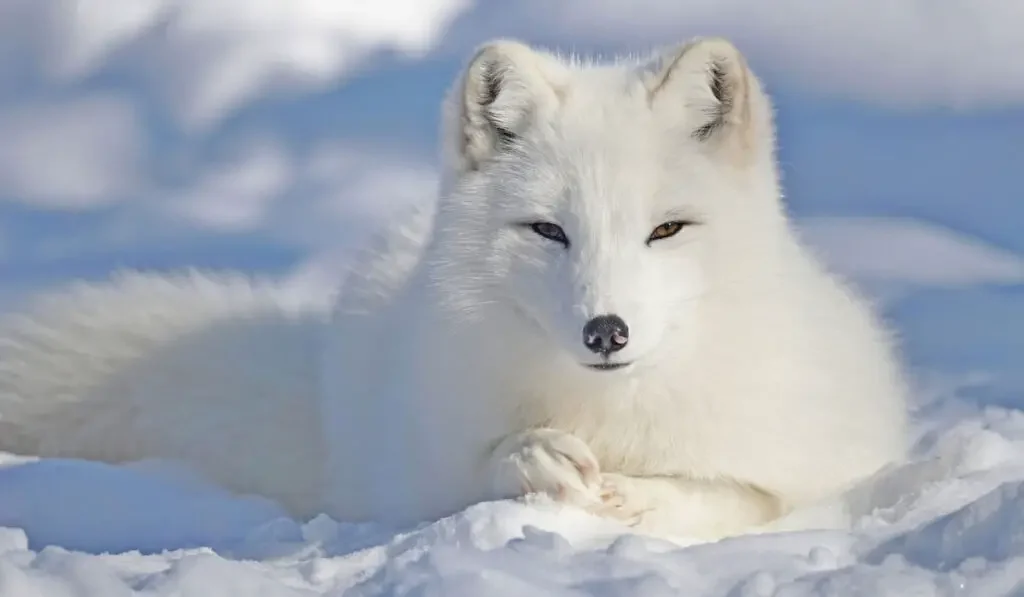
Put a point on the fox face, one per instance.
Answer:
(591, 202)
(596, 246)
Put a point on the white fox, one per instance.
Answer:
(607, 305)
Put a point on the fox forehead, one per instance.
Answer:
(601, 154)
(610, 165)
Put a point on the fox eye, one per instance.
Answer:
(667, 230)
(550, 231)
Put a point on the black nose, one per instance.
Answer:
(605, 334)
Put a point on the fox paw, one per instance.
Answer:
(548, 461)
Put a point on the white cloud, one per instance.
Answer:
(209, 57)
(368, 180)
(237, 194)
(910, 252)
(344, 192)
(303, 198)
(83, 153)
(894, 52)
(83, 33)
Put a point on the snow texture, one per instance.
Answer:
(949, 522)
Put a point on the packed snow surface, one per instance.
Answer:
(951, 522)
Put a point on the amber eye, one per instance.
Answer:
(666, 230)
(550, 231)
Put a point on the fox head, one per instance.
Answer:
(594, 206)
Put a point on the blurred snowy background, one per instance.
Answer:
(271, 136)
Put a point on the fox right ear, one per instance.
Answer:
(503, 89)
(706, 86)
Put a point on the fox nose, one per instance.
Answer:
(605, 334)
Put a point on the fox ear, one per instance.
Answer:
(707, 87)
(502, 90)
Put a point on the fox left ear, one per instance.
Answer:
(706, 87)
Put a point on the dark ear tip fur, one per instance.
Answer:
(717, 82)
(723, 94)
(491, 80)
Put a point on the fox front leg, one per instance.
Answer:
(691, 508)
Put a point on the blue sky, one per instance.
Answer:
(269, 136)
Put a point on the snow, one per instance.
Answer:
(951, 521)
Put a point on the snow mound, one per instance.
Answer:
(949, 522)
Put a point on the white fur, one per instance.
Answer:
(215, 371)
(453, 368)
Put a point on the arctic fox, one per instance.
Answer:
(607, 305)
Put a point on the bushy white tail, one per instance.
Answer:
(218, 372)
